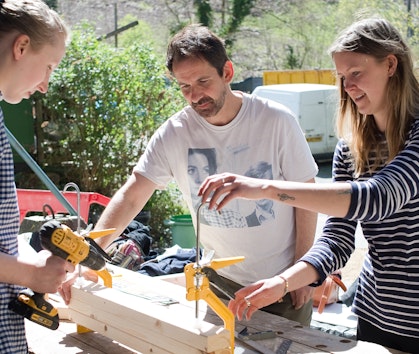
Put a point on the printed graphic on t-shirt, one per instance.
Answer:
(203, 163)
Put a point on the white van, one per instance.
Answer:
(314, 105)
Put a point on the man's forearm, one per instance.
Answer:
(305, 224)
(116, 215)
(124, 206)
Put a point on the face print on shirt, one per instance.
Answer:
(203, 163)
(264, 208)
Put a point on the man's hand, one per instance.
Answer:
(65, 289)
(301, 296)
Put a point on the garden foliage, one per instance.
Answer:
(102, 106)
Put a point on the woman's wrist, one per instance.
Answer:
(286, 286)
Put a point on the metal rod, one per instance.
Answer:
(197, 257)
(38, 171)
(198, 232)
(76, 187)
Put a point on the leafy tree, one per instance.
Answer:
(260, 41)
(239, 11)
(204, 12)
(309, 28)
(232, 15)
(163, 205)
(101, 109)
(292, 61)
(52, 4)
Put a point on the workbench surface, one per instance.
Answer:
(290, 337)
(66, 340)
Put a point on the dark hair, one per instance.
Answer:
(210, 154)
(33, 18)
(259, 170)
(378, 38)
(197, 41)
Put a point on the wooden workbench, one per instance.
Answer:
(117, 314)
(66, 340)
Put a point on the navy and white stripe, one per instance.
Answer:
(387, 207)
(12, 326)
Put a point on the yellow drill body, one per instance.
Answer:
(74, 245)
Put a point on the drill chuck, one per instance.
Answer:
(61, 241)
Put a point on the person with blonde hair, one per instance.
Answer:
(32, 44)
(376, 183)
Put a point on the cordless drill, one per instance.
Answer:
(61, 241)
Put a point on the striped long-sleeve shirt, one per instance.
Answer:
(12, 325)
(387, 207)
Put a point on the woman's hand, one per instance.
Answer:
(255, 296)
(222, 188)
(65, 289)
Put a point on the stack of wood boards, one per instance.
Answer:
(147, 314)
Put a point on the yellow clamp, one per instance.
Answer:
(103, 273)
(200, 290)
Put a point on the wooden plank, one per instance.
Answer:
(138, 342)
(138, 322)
(57, 301)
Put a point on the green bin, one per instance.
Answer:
(183, 232)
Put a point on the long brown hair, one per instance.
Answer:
(33, 18)
(378, 38)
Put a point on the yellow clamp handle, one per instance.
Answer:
(203, 292)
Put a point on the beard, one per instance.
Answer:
(213, 105)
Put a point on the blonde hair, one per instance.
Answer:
(378, 38)
(33, 18)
